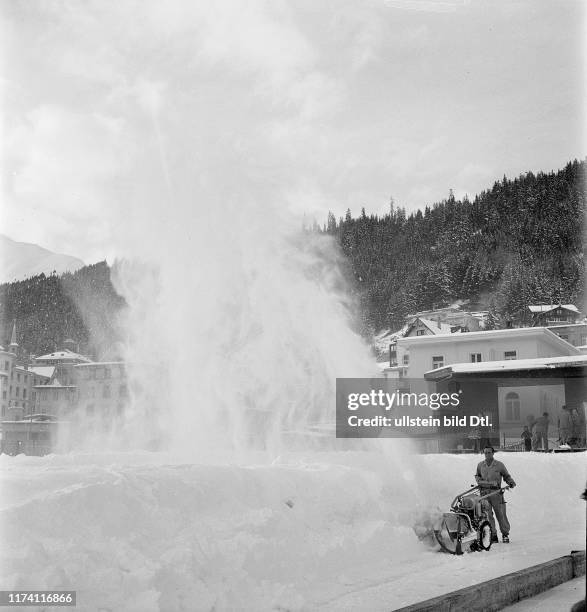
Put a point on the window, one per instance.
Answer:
(18, 377)
(6, 366)
(583, 339)
(512, 407)
(406, 360)
(107, 373)
(123, 391)
(24, 394)
(510, 355)
(420, 332)
(3, 393)
(437, 362)
(475, 357)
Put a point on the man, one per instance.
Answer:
(488, 477)
(541, 431)
(565, 425)
(527, 437)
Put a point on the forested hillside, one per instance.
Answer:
(48, 309)
(521, 242)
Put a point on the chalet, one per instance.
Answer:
(546, 315)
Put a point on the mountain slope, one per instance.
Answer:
(20, 260)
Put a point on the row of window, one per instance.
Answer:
(90, 410)
(16, 394)
(106, 391)
(582, 341)
(102, 373)
(56, 394)
(438, 360)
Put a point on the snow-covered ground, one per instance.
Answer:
(329, 531)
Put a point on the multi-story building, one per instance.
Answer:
(57, 391)
(418, 356)
(102, 390)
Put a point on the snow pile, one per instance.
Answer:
(132, 532)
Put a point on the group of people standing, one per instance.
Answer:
(571, 430)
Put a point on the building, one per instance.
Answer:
(427, 327)
(418, 357)
(17, 382)
(7, 360)
(33, 435)
(547, 315)
(454, 317)
(499, 387)
(59, 391)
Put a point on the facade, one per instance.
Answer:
(418, 355)
(573, 333)
(7, 360)
(102, 390)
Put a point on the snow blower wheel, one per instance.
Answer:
(484, 541)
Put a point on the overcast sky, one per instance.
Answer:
(316, 106)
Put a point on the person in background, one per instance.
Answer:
(565, 425)
(541, 432)
(488, 477)
(527, 438)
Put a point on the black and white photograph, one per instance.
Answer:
(292, 305)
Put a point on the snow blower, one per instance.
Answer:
(465, 527)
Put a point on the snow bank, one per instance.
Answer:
(324, 531)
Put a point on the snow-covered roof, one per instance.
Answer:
(64, 355)
(437, 329)
(99, 363)
(508, 365)
(55, 384)
(488, 335)
(46, 371)
(548, 307)
(568, 326)
(386, 337)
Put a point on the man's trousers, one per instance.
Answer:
(496, 504)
